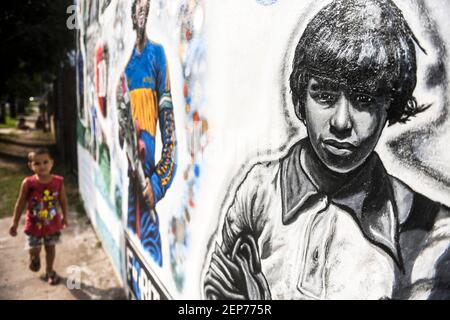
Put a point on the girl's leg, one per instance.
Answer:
(50, 252)
(50, 257)
(35, 264)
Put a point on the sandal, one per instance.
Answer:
(53, 278)
(35, 263)
(44, 277)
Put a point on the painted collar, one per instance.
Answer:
(137, 53)
(367, 195)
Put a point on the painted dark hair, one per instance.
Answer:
(364, 45)
(133, 13)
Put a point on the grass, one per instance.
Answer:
(10, 123)
(11, 177)
(10, 180)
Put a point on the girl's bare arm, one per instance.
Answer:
(18, 208)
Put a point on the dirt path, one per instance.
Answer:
(85, 270)
(78, 257)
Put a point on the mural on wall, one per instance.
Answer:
(127, 135)
(326, 220)
(148, 82)
(98, 174)
(266, 149)
(193, 62)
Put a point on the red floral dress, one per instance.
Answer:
(42, 217)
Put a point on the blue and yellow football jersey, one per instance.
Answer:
(149, 85)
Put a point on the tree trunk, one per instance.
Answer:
(21, 106)
(2, 113)
(12, 107)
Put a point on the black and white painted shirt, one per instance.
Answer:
(371, 238)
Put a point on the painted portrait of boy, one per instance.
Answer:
(327, 221)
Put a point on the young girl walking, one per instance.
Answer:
(44, 197)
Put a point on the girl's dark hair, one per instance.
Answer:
(38, 152)
(364, 45)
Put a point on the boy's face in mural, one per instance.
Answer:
(354, 69)
(343, 126)
(141, 10)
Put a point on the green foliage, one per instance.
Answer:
(9, 123)
(10, 180)
(34, 42)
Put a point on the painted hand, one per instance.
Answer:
(149, 198)
(237, 276)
